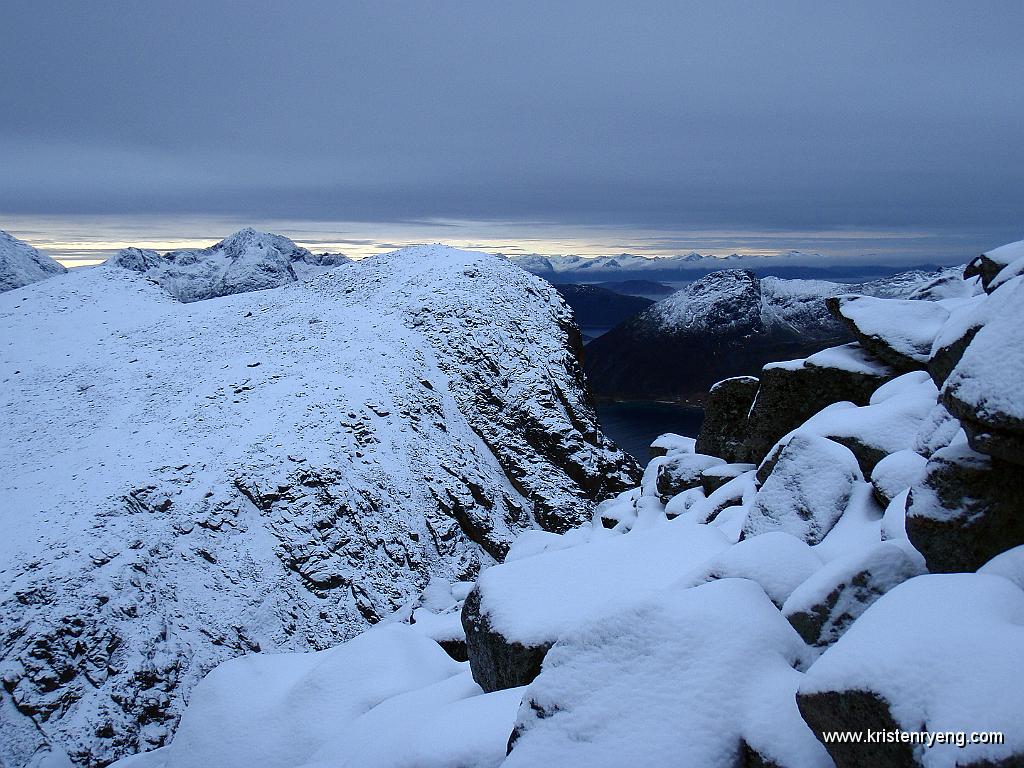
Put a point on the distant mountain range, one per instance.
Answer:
(692, 266)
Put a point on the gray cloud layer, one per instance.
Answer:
(755, 114)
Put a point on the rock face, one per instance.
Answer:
(967, 509)
(265, 471)
(807, 490)
(725, 418)
(792, 392)
(21, 264)
(246, 261)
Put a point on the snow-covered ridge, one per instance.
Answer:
(861, 571)
(21, 264)
(273, 470)
(628, 262)
(246, 261)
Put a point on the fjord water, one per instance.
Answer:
(634, 424)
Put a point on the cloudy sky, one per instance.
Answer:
(847, 127)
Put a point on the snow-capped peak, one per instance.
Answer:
(21, 264)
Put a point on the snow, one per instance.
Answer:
(944, 651)
(1006, 254)
(677, 681)
(671, 443)
(717, 384)
(21, 264)
(848, 357)
(246, 261)
(807, 491)
(898, 471)
(386, 698)
(267, 470)
(541, 598)
(907, 326)
(777, 561)
(1008, 564)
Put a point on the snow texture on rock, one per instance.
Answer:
(898, 332)
(807, 491)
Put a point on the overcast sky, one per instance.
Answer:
(655, 117)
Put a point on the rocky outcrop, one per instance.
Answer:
(792, 392)
(724, 430)
(21, 264)
(966, 510)
(713, 478)
(246, 261)
(824, 606)
(269, 471)
(807, 490)
(987, 266)
(900, 333)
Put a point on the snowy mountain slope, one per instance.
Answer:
(270, 471)
(678, 635)
(728, 323)
(246, 261)
(21, 264)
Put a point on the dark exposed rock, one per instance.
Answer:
(725, 418)
(790, 393)
(679, 473)
(968, 509)
(984, 267)
(455, 648)
(849, 586)
(857, 711)
(496, 662)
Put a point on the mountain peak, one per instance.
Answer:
(21, 264)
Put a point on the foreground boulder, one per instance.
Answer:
(807, 491)
(792, 392)
(824, 606)
(520, 608)
(902, 666)
(989, 264)
(967, 509)
(21, 264)
(898, 332)
(680, 473)
(724, 429)
(687, 679)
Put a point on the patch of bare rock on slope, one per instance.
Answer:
(271, 471)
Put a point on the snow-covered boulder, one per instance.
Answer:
(777, 561)
(793, 391)
(984, 390)
(898, 332)
(671, 443)
(682, 472)
(896, 473)
(937, 653)
(246, 261)
(695, 678)
(989, 264)
(807, 491)
(386, 699)
(824, 606)
(518, 610)
(724, 428)
(21, 264)
(271, 470)
(966, 510)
